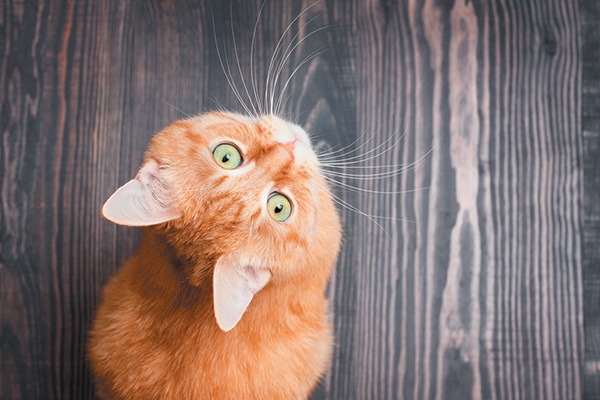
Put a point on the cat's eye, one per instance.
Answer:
(279, 207)
(227, 156)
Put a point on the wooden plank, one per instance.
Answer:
(480, 297)
(22, 306)
(590, 33)
(469, 287)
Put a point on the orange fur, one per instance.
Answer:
(155, 335)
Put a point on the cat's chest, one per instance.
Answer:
(214, 364)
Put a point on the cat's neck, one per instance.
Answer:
(167, 286)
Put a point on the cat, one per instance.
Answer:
(225, 298)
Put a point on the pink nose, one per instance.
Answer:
(298, 137)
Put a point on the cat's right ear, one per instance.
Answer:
(142, 201)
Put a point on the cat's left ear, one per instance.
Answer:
(144, 200)
(234, 286)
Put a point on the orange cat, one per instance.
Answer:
(225, 297)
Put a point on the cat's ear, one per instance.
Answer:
(142, 201)
(234, 286)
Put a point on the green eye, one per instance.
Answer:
(279, 207)
(227, 156)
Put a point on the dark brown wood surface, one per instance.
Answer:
(590, 21)
(474, 274)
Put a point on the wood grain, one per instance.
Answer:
(473, 275)
(590, 31)
(480, 297)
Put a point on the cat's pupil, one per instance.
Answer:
(278, 208)
(226, 158)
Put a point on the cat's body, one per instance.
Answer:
(225, 299)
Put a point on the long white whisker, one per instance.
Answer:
(344, 151)
(292, 45)
(358, 158)
(285, 101)
(338, 200)
(337, 155)
(237, 59)
(253, 79)
(363, 190)
(349, 166)
(268, 92)
(227, 72)
(269, 83)
(287, 82)
(386, 174)
(371, 176)
(176, 108)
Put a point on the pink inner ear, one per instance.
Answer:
(142, 201)
(234, 286)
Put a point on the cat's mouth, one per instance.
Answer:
(293, 138)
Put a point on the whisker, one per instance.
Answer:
(227, 71)
(334, 171)
(283, 115)
(176, 108)
(268, 100)
(365, 177)
(383, 174)
(314, 54)
(341, 202)
(287, 53)
(350, 166)
(336, 155)
(269, 86)
(343, 151)
(357, 158)
(237, 59)
(370, 191)
(261, 106)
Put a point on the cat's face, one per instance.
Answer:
(246, 192)
(243, 208)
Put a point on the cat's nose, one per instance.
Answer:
(299, 134)
(291, 133)
(286, 136)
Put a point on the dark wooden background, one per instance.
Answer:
(483, 283)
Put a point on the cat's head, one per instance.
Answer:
(242, 198)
